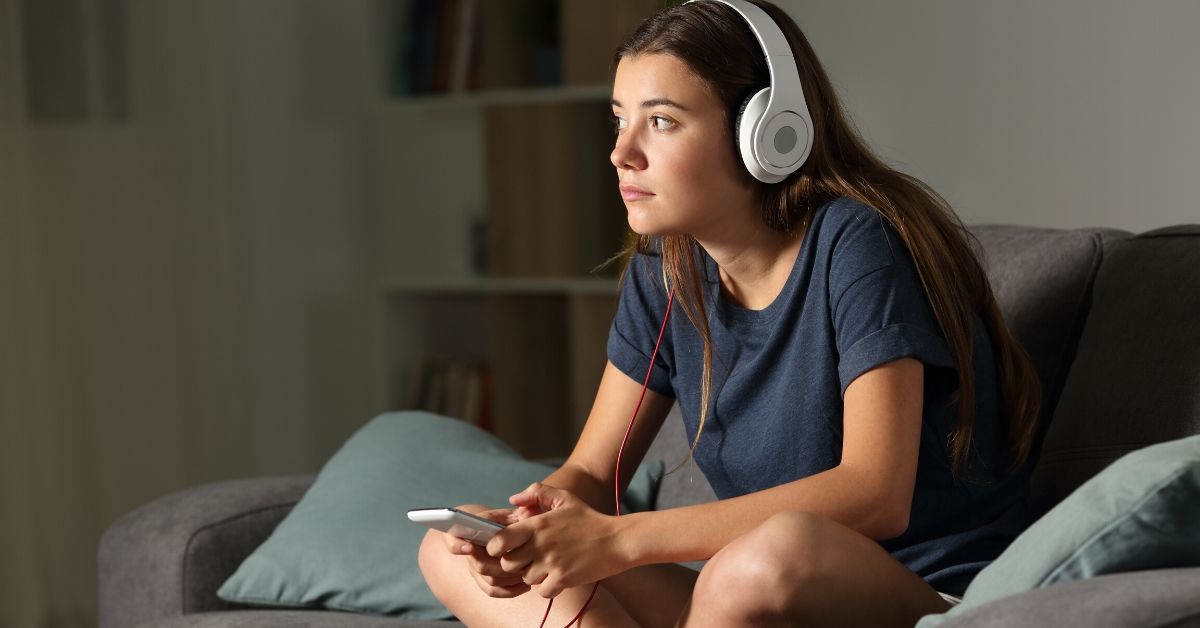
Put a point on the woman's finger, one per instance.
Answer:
(540, 497)
(499, 515)
(534, 577)
(508, 587)
(457, 545)
(548, 587)
(481, 563)
(509, 539)
(503, 586)
(508, 580)
(515, 562)
(505, 592)
(485, 565)
(527, 497)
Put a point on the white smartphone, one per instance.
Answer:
(464, 525)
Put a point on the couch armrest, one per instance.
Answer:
(1161, 598)
(169, 557)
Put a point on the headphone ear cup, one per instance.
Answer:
(749, 115)
(737, 124)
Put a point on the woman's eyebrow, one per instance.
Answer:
(654, 102)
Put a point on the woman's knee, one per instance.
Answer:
(437, 564)
(769, 569)
(430, 554)
(440, 567)
(787, 548)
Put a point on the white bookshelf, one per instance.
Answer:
(545, 336)
(530, 163)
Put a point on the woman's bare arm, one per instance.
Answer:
(869, 491)
(588, 472)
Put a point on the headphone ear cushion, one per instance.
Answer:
(749, 115)
(737, 123)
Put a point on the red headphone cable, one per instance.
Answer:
(617, 476)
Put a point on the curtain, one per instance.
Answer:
(183, 291)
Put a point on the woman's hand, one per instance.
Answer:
(484, 569)
(559, 541)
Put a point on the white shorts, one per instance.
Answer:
(953, 600)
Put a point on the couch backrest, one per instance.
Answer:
(1042, 279)
(1135, 380)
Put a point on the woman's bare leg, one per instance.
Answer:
(794, 569)
(653, 595)
(801, 569)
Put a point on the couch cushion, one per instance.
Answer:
(1142, 512)
(1042, 279)
(347, 545)
(1136, 375)
(1163, 598)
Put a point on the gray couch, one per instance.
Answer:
(1112, 321)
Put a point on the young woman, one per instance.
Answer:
(852, 392)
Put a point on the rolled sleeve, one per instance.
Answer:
(630, 360)
(883, 316)
(889, 344)
(636, 325)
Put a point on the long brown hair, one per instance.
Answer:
(718, 46)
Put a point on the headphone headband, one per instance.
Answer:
(775, 137)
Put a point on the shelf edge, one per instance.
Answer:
(500, 286)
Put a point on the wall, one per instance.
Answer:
(1059, 114)
(183, 295)
(15, 523)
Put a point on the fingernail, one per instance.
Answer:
(465, 548)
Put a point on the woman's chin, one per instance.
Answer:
(645, 225)
(654, 231)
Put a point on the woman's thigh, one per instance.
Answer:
(654, 595)
(802, 569)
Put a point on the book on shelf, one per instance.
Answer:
(454, 46)
(532, 218)
(591, 32)
(519, 44)
(437, 47)
(463, 63)
(453, 387)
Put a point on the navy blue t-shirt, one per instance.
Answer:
(853, 301)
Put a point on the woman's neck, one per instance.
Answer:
(755, 266)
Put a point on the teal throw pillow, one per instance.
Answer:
(1140, 512)
(348, 544)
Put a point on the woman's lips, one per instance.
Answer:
(634, 193)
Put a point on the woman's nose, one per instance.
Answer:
(626, 154)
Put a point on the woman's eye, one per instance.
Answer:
(618, 123)
(660, 123)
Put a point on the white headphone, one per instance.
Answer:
(774, 130)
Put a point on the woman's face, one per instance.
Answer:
(673, 153)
